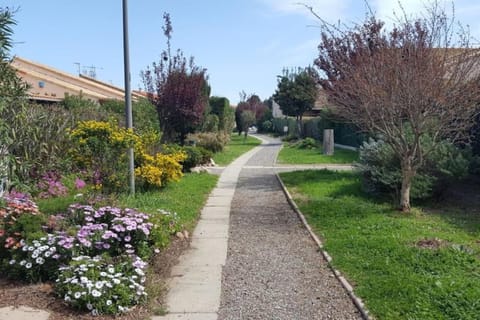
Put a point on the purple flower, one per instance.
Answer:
(79, 183)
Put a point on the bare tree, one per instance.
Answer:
(418, 79)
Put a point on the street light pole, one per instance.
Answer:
(128, 95)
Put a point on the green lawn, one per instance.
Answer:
(292, 155)
(380, 250)
(235, 148)
(185, 197)
(194, 187)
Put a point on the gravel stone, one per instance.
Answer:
(273, 268)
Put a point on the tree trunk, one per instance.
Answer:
(328, 143)
(299, 127)
(407, 175)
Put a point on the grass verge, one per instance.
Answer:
(193, 186)
(185, 197)
(292, 155)
(416, 266)
(235, 148)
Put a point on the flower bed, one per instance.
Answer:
(96, 257)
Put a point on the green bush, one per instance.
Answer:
(220, 107)
(165, 224)
(145, 117)
(381, 172)
(307, 143)
(210, 123)
(39, 143)
(83, 109)
(196, 156)
(208, 140)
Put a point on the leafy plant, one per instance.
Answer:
(381, 173)
(307, 143)
(208, 140)
(12, 226)
(102, 285)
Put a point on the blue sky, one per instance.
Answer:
(243, 44)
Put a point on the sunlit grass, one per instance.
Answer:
(237, 146)
(377, 248)
(292, 155)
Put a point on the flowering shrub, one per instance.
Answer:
(17, 213)
(51, 185)
(102, 286)
(100, 149)
(160, 169)
(40, 259)
(111, 230)
(95, 256)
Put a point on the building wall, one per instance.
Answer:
(48, 84)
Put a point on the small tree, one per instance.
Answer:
(296, 93)
(248, 119)
(253, 104)
(179, 90)
(412, 82)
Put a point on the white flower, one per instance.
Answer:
(12, 261)
(111, 269)
(103, 274)
(77, 295)
(83, 279)
(28, 265)
(35, 254)
(94, 312)
(31, 248)
(40, 260)
(116, 281)
(47, 254)
(89, 306)
(24, 248)
(99, 285)
(22, 263)
(96, 293)
(139, 271)
(109, 302)
(36, 244)
(67, 298)
(74, 281)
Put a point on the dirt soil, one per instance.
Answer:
(41, 296)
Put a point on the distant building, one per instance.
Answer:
(276, 111)
(320, 104)
(50, 85)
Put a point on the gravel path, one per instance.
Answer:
(273, 268)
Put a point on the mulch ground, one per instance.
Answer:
(41, 296)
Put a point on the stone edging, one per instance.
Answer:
(347, 286)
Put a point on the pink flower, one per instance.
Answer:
(79, 183)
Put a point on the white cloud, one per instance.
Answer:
(325, 8)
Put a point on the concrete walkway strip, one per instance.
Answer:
(196, 281)
(23, 313)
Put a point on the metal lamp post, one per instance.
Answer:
(128, 95)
